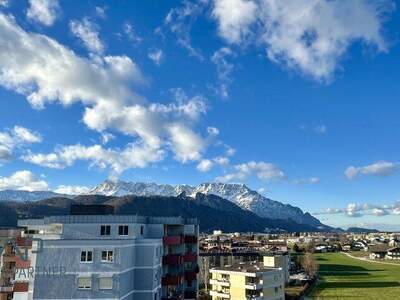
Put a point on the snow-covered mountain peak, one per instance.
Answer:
(238, 193)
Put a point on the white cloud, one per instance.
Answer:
(106, 137)
(4, 3)
(310, 180)
(23, 180)
(359, 210)
(205, 165)
(262, 170)
(72, 190)
(180, 20)
(24, 135)
(309, 36)
(224, 69)
(101, 11)
(47, 72)
(88, 33)
(16, 138)
(320, 129)
(156, 56)
(380, 168)
(131, 33)
(43, 11)
(234, 18)
(186, 144)
(133, 156)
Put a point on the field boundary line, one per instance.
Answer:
(371, 261)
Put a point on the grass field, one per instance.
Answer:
(342, 277)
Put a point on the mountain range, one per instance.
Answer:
(254, 209)
(239, 194)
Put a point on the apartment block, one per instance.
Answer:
(109, 257)
(8, 261)
(247, 282)
(278, 260)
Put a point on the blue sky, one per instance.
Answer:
(298, 100)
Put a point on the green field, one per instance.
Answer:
(342, 277)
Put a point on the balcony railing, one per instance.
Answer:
(190, 239)
(190, 295)
(170, 279)
(172, 259)
(173, 297)
(254, 285)
(190, 257)
(190, 275)
(221, 294)
(172, 240)
(21, 287)
(221, 282)
(6, 289)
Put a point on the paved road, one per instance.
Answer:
(371, 261)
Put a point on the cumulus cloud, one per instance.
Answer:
(309, 36)
(15, 138)
(205, 165)
(133, 156)
(365, 209)
(379, 168)
(72, 190)
(88, 33)
(235, 18)
(180, 20)
(23, 180)
(262, 170)
(48, 72)
(43, 11)
(156, 56)
(4, 3)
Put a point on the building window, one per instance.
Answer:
(105, 230)
(141, 230)
(123, 230)
(87, 256)
(276, 290)
(105, 283)
(107, 256)
(84, 283)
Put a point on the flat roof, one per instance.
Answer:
(246, 268)
(107, 219)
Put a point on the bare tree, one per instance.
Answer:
(310, 265)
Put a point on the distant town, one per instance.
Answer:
(93, 253)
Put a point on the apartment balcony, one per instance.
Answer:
(254, 298)
(172, 240)
(254, 286)
(7, 258)
(190, 276)
(190, 239)
(176, 297)
(21, 287)
(190, 257)
(189, 295)
(220, 282)
(172, 279)
(172, 259)
(220, 294)
(23, 242)
(7, 289)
